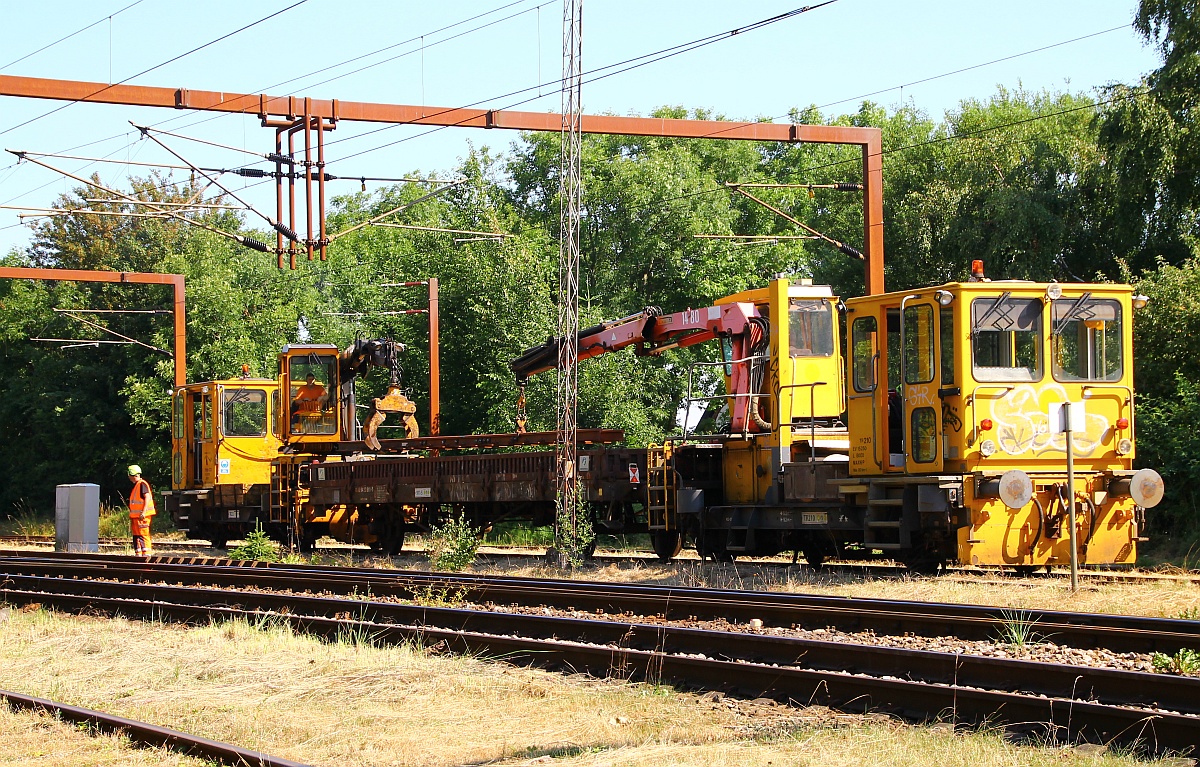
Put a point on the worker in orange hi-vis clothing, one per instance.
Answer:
(141, 510)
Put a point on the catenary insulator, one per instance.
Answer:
(851, 251)
(845, 186)
(253, 244)
(281, 158)
(286, 231)
(251, 172)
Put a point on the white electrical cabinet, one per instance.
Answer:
(77, 517)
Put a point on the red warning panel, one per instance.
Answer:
(635, 477)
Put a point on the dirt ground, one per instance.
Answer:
(352, 703)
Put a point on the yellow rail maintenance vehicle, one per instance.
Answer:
(238, 445)
(955, 404)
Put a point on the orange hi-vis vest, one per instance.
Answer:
(141, 500)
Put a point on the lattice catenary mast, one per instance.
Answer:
(570, 201)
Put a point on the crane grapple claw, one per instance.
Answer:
(393, 402)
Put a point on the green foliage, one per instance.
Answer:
(1185, 662)
(440, 596)
(1017, 628)
(453, 544)
(257, 547)
(574, 536)
(1167, 379)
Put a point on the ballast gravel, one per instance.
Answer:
(1040, 649)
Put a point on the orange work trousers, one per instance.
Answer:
(140, 528)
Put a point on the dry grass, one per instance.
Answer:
(39, 740)
(350, 703)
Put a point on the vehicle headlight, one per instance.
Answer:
(987, 448)
(1124, 446)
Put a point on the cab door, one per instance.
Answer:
(203, 444)
(920, 371)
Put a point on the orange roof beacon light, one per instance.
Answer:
(977, 271)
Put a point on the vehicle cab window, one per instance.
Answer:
(245, 412)
(810, 327)
(312, 400)
(1006, 338)
(1085, 339)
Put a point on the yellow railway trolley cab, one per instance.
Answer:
(224, 437)
(956, 445)
(309, 374)
(795, 391)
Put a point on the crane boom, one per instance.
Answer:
(650, 331)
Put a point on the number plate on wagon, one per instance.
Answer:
(814, 518)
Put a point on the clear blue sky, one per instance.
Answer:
(830, 57)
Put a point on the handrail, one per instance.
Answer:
(689, 399)
(903, 383)
(812, 407)
(971, 402)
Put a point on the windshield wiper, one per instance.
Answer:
(992, 310)
(1075, 310)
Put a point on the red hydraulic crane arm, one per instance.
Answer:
(650, 331)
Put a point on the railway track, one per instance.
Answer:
(146, 734)
(1118, 633)
(871, 569)
(1065, 701)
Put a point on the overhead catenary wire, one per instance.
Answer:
(295, 79)
(97, 326)
(156, 66)
(248, 242)
(439, 229)
(849, 250)
(278, 226)
(593, 75)
(64, 38)
(396, 209)
(1134, 92)
(926, 79)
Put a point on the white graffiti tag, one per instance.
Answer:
(1022, 423)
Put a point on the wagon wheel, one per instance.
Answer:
(814, 556)
(667, 544)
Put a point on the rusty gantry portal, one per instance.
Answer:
(290, 115)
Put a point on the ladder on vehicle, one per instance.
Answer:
(660, 487)
(283, 480)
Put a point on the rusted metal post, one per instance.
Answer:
(435, 365)
(308, 179)
(139, 278)
(278, 196)
(321, 181)
(292, 195)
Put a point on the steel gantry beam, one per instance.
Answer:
(266, 107)
(129, 278)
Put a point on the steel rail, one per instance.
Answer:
(149, 734)
(1119, 633)
(50, 539)
(494, 552)
(1050, 698)
(1116, 687)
